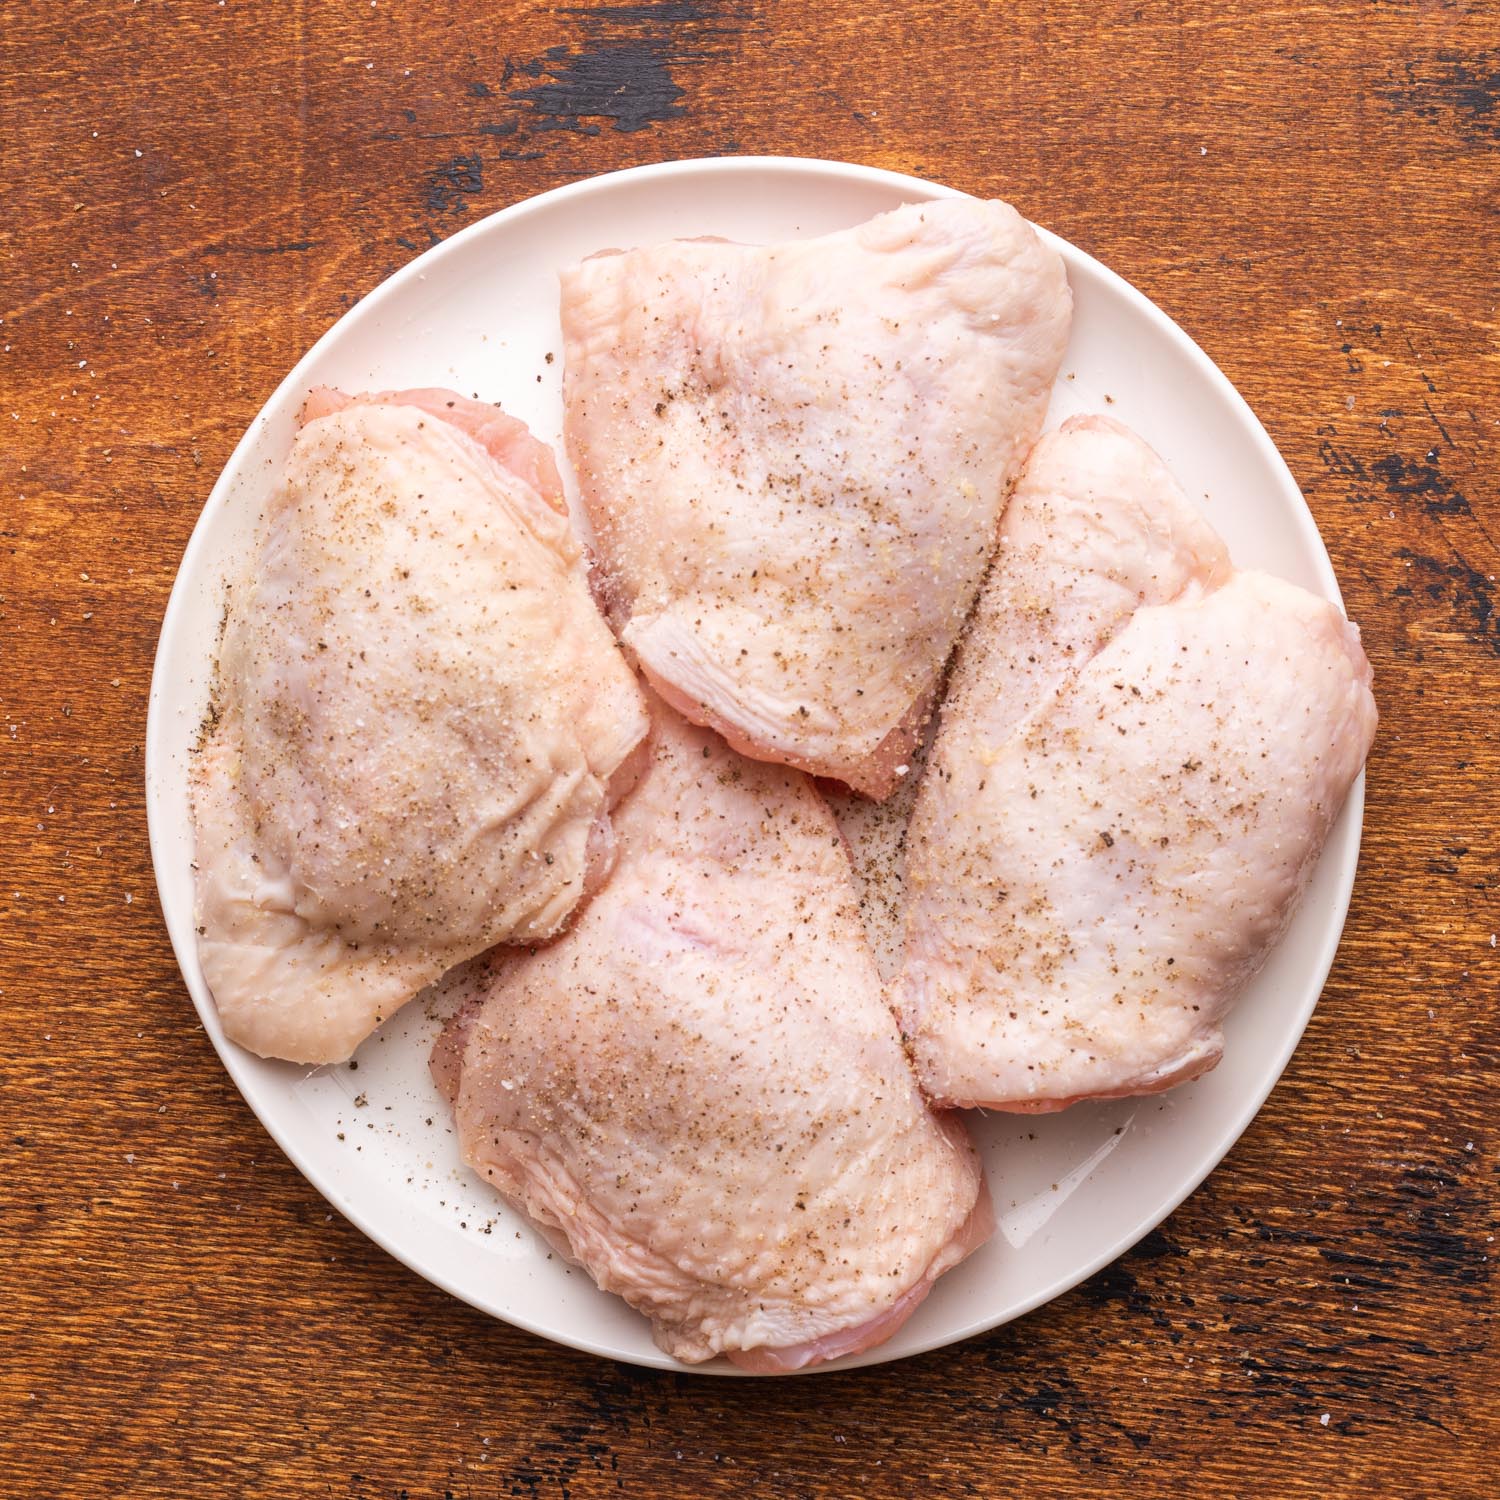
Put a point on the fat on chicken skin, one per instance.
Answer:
(1140, 757)
(421, 723)
(698, 1092)
(795, 456)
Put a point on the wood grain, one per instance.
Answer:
(193, 192)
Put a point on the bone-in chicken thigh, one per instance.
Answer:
(1139, 759)
(422, 723)
(795, 457)
(699, 1092)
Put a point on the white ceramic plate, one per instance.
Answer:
(479, 313)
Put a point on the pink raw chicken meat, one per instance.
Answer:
(422, 723)
(1140, 757)
(795, 456)
(699, 1093)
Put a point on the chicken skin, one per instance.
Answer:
(1139, 760)
(422, 721)
(795, 456)
(698, 1091)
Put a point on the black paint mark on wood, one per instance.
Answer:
(1434, 1224)
(1470, 594)
(631, 87)
(1418, 1239)
(1394, 478)
(1118, 1281)
(452, 184)
(623, 69)
(1036, 1413)
(1422, 480)
(1460, 93)
(291, 247)
(623, 66)
(612, 1399)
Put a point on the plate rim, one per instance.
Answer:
(420, 267)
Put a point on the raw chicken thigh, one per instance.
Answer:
(1140, 757)
(699, 1093)
(422, 723)
(1096, 527)
(795, 457)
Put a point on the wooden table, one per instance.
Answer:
(195, 191)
